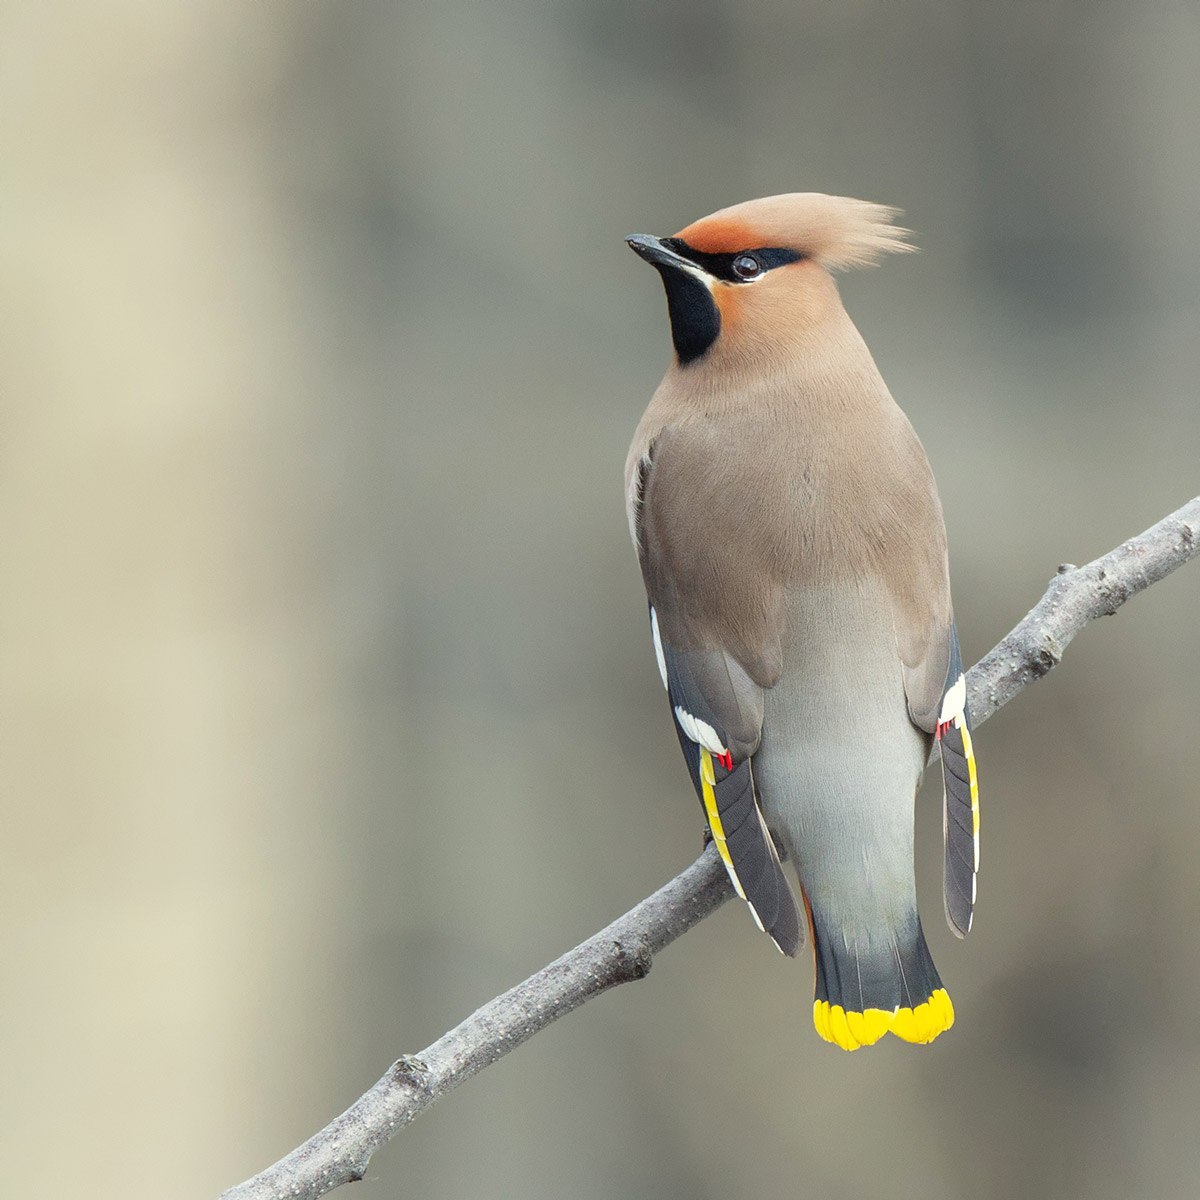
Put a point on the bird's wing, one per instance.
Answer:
(718, 712)
(717, 704)
(937, 701)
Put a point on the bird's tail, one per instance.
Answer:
(871, 985)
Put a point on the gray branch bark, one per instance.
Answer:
(624, 950)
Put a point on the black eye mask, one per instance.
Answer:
(720, 266)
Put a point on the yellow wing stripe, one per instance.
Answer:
(969, 750)
(850, 1030)
(708, 780)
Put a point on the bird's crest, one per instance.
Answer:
(835, 231)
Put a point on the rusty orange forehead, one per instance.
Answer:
(718, 235)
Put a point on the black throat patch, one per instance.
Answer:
(695, 318)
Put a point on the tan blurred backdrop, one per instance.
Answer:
(328, 703)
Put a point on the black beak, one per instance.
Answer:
(655, 252)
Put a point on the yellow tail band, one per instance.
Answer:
(850, 1030)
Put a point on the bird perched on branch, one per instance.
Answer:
(794, 553)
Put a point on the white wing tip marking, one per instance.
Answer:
(700, 732)
(659, 656)
(954, 701)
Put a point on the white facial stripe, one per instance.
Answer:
(712, 282)
(955, 701)
(696, 273)
(701, 732)
(658, 650)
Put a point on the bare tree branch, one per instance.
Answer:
(625, 950)
(1075, 597)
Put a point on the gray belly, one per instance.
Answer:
(840, 761)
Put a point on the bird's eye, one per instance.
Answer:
(746, 266)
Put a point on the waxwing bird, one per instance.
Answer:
(792, 544)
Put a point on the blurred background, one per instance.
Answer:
(328, 702)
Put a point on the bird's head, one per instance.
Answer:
(753, 278)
